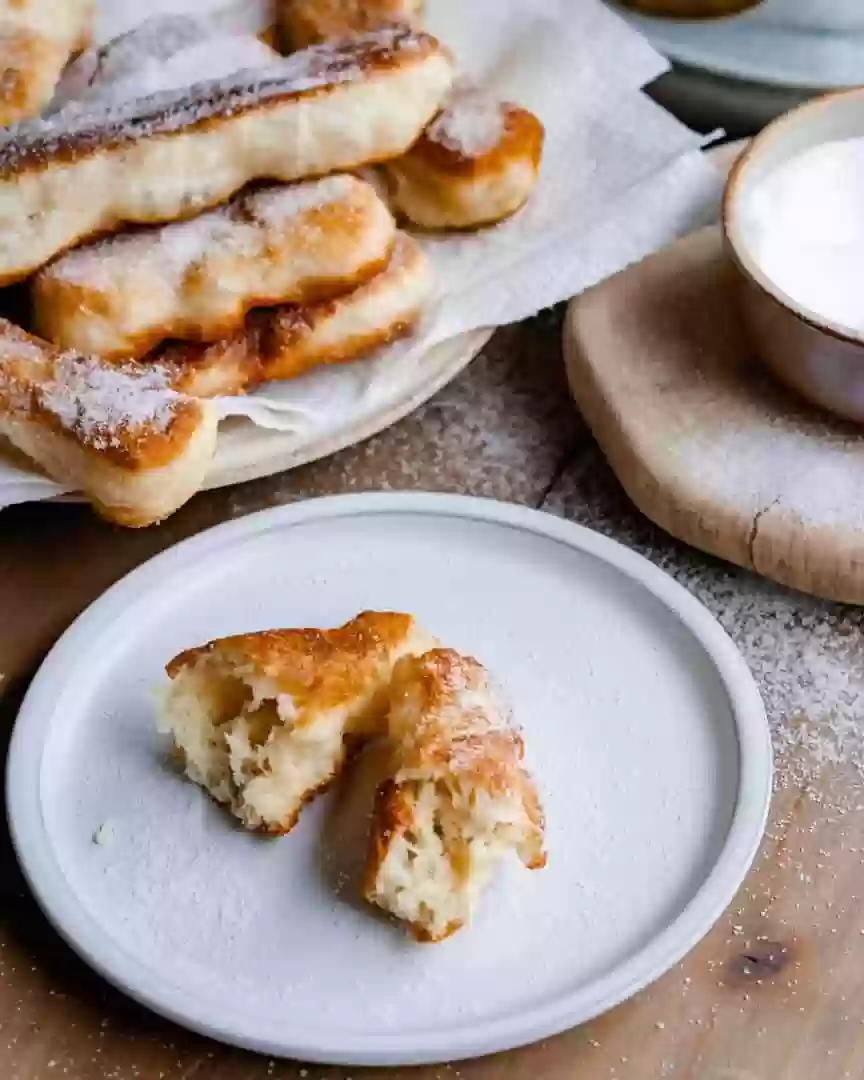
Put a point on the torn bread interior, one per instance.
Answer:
(459, 798)
(265, 721)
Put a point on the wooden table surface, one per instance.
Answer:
(776, 992)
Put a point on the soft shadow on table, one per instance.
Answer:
(344, 841)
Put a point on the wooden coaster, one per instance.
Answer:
(703, 440)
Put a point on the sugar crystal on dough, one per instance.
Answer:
(471, 125)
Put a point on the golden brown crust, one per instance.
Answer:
(119, 434)
(29, 66)
(294, 340)
(34, 384)
(207, 105)
(311, 22)
(475, 165)
(287, 341)
(34, 48)
(153, 160)
(283, 335)
(319, 668)
(197, 280)
(458, 797)
(455, 740)
(268, 721)
(225, 368)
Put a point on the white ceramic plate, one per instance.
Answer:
(756, 46)
(643, 727)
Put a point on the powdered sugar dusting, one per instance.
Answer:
(92, 125)
(471, 125)
(219, 57)
(101, 402)
(796, 462)
(164, 53)
(275, 206)
(173, 249)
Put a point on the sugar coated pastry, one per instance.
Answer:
(118, 433)
(310, 22)
(196, 279)
(165, 52)
(265, 721)
(290, 340)
(172, 155)
(459, 798)
(476, 164)
(37, 37)
(224, 368)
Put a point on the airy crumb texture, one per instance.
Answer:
(266, 721)
(459, 799)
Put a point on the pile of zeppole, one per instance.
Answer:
(180, 239)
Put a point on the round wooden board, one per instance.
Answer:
(703, 440)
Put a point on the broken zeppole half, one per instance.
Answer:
(265, 721)
(459, 798)
(476, 164)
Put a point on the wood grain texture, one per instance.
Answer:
(702, 439)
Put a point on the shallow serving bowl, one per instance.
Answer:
(821, 359)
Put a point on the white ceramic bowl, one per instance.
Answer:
(822, 360)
